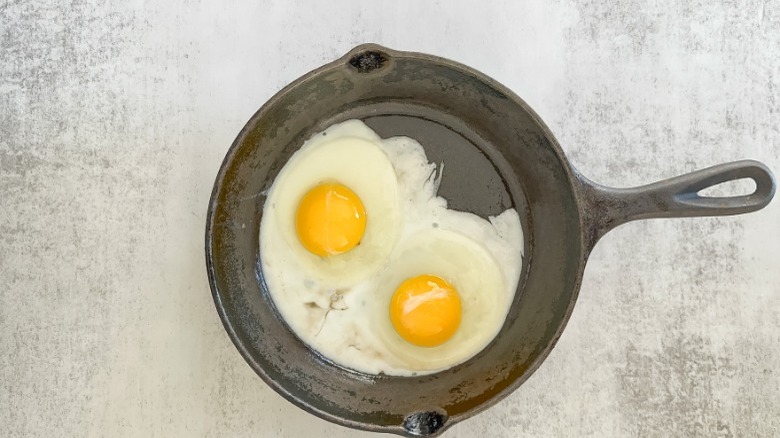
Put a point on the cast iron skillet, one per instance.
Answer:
(498, 155)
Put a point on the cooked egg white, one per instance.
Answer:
(339, 305)
(348, 154)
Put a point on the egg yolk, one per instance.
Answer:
(330, 220)
(425, 310)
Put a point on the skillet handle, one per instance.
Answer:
(605, 208)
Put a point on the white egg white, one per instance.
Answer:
(340, 308)
(350, 154)
(475, 275)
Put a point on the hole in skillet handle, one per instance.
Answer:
(424, 423)
(368, 61)
(729, 189)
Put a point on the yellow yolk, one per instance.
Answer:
(330, 220)
(425, 310)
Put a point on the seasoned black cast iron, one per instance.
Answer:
(498, 155)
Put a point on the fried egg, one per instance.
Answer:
(339, 177)
(368, 266)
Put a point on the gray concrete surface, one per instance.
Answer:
(114, 119)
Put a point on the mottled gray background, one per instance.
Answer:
(114, 120)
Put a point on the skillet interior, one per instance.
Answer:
(497, 155)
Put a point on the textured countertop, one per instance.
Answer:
(115, 118)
